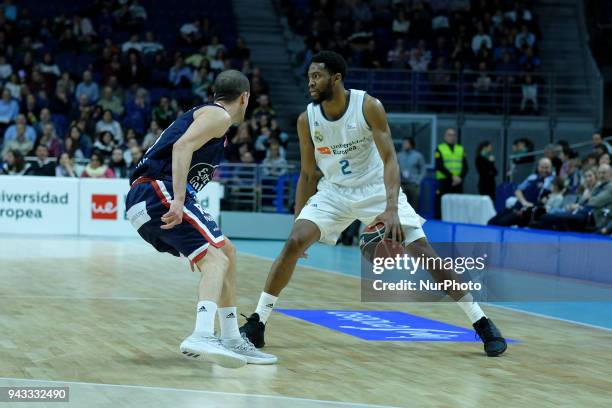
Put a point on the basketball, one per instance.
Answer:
(372, 233)
(373, 244)
(369, 239)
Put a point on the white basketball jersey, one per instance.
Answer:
(344, 149)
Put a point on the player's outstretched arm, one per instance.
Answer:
(210, 123)
(307, 183)
(376, 117)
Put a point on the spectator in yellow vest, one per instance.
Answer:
(451, 167)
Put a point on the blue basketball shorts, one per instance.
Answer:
(149, 199)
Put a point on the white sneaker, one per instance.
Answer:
(209, 348)
(245, 348)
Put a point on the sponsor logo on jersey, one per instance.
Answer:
(324, 150)
(344, 148)
(351, 126)
(318, 136)
(103, 207)
(199, 175)
(317, 123)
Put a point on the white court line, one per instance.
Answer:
(593, 326)
(233, 394)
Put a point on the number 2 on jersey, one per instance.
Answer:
(345, 167)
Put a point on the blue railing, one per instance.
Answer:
(493, 92)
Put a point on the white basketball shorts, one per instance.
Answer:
(333, 208)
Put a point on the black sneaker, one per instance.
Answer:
(254, 330)
(494, 343)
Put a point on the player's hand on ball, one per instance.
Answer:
(174, 216)
(393, 227)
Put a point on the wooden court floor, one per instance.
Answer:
(114, 312)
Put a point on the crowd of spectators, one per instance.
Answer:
(88, 101)
(563, 190)
(491, 44)
(566, 193)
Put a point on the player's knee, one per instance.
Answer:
(229, 249)
(420, 247)
(295, 244)
(215, 261)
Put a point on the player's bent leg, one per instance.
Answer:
(230, 336)
(214, 268)
(203, 344)
(228, 293)
(421, 248)
(494, 342)
(303, 234)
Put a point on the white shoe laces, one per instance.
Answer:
(245, 345)
(214, 340)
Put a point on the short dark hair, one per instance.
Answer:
(559, 182)
(411, 140)
(334, 62)
(481, 146)
(229, 85)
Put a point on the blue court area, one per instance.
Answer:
(346, 261)
(385, 325)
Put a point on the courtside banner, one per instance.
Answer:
(38, 205)
(102, 208)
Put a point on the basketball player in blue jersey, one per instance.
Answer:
(345, 134)
(163, 207)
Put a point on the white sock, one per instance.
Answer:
(205, 318)
(265, 306)
(471, 308)
(228, 323)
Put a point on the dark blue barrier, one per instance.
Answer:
(590, 255)
(476, 233)
(578, 256)
(438, 231)
(530, 257)
(427, 198)
(279, 200)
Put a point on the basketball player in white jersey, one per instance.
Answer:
(345, 134)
